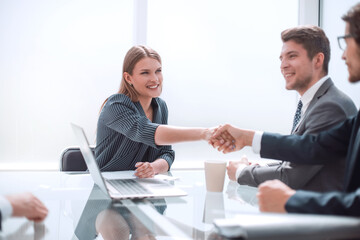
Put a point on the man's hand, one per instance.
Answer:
(234, 165)
(27, 205)
(228, 138)
(273, 196)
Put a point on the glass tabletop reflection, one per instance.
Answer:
(79, 210)
(187, 217)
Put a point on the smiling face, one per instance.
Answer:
(146, 78)
(296, 67)
(351, 56)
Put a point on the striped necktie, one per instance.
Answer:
(297, 116)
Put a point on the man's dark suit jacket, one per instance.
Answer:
(328, 146)
(328, 108)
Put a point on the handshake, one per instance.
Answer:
(272, 194)
(227, 138)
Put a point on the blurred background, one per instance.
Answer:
(60, 59)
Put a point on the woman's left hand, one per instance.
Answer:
(144, 170)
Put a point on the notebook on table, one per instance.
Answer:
(129, 188)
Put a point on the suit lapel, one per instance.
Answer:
(320, 92)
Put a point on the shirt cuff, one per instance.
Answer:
(239, 170)
(256, 143)
(5, 208)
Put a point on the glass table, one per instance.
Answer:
(79, 210)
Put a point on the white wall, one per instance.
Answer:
(221, 64)
(334, 26)
(59, 60)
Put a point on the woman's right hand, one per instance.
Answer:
(219, 138)
(228, 138)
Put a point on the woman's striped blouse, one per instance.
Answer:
(126, 136)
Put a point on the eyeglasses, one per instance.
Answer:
(342, 42)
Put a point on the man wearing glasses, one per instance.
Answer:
(304, 64)
(328, 146)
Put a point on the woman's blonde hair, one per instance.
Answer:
(132, 57)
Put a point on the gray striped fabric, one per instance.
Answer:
(125, 135)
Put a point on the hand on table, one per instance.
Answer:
(144, 170)
(273, 196)
(27, 205)
(234, 165)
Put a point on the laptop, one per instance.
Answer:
(124, 188)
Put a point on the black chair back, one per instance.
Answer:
(73, 160)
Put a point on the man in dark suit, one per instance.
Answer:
(304, 60)
(22, 205)
(328, 146)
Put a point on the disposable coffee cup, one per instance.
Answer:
(214, 175)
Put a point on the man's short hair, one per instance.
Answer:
(313, 39)
(353, 18)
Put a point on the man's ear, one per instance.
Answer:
(127, 78)
(319, 60)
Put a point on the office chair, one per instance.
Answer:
(72, 159)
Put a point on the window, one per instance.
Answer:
(221, 64)
(334, 26)
(61, 59)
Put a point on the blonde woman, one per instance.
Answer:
(132, 131)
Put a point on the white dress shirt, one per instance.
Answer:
(305, 98)
(5, 208)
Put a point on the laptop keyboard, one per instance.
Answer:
(128, 186)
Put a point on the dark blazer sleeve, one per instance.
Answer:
(328, 146)
(332, 203)
(254, 175)
(0, 221)
(293, 176)
(327, 113)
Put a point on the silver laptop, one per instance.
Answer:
(124, 188)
